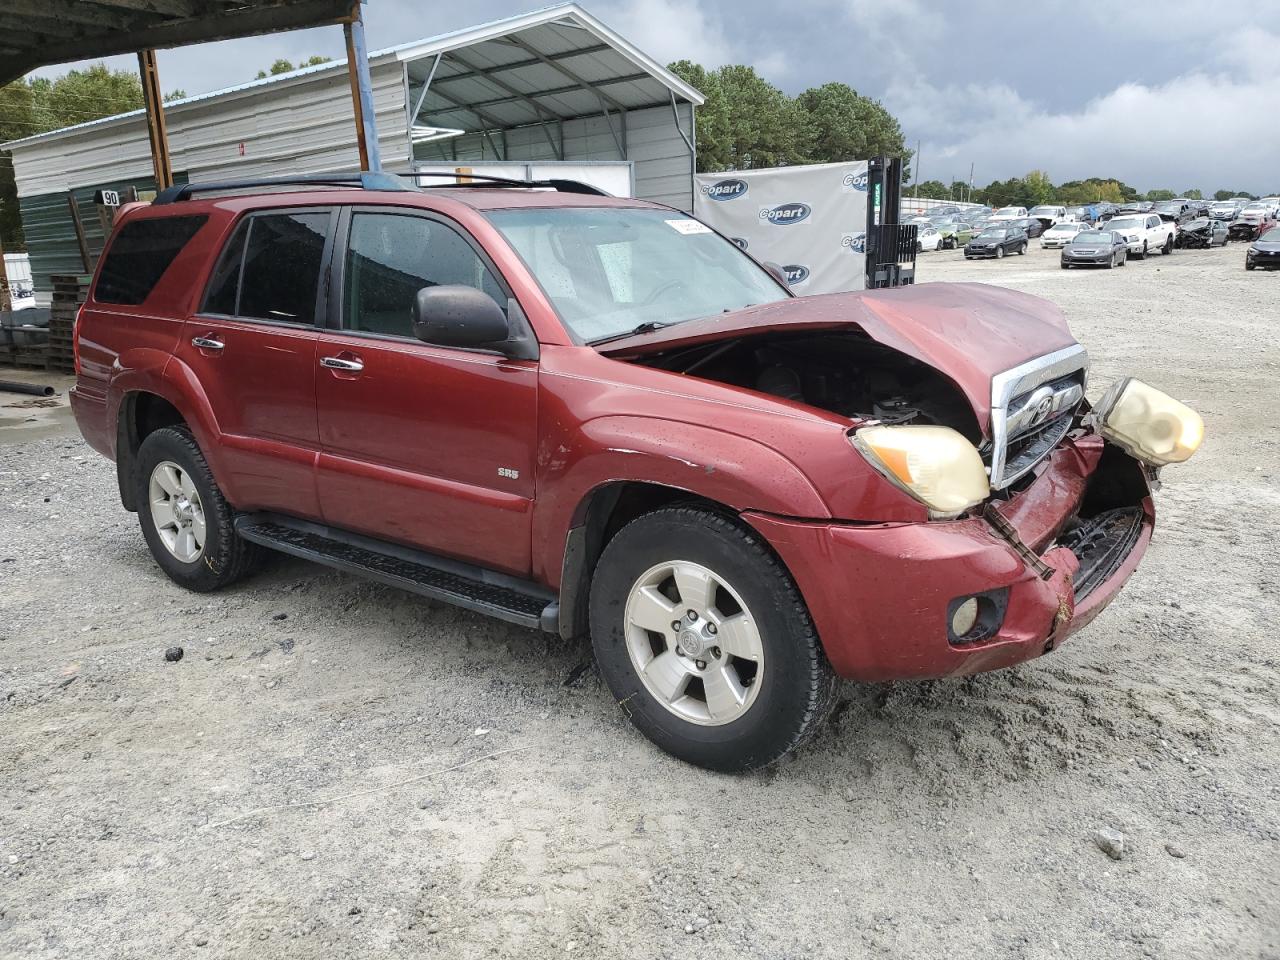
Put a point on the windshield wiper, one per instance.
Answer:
(649, 326)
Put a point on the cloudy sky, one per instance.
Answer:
(1160, 93)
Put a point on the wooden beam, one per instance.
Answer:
(167, 8)
(153, 100)
(356, 106)
(76, 222)
(71, 11)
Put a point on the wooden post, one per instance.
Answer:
(156, 131)
(361, 91)
(6, 301)
(80, 237)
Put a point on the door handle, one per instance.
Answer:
(207, 343)
(340, 363)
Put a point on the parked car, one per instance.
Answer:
(1144, 233)
(1248, 229)
(1010, 213)
(1257, 212)
(1049, 213)
(1095, 248)
(954, 233)
(996, 241)
(1264, 252)
(1085, 214)
(928, 238)
(1032, 226)
(1225, 210)
(738, 494)
(1136, 206)
(1201, 233)
(1060, 234)
(1177, 211)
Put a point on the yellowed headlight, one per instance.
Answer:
(1147, 423)
(936, 465)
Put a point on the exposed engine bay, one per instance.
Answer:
(846, 373)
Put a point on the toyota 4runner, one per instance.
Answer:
(597, 416)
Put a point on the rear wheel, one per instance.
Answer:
(705, 642)
(1022, 250)
(1168, 245)
(185, 520)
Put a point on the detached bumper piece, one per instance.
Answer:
(1101, 544)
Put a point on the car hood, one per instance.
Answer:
(967, 331)
(1267, 246)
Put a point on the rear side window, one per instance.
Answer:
(139, 256)
(270, 270)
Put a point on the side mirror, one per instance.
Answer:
(453, 315)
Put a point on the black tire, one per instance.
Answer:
(1065, 266)
(797, 686)
(1168, 246)
(1143, 254)
(919, 247)
(225, 558)
(1249, 266)
(1022, 250)
(999, 253)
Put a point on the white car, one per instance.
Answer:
(927, 238)
(1144, 233)
(1062, 233)
(1047, 212)
(1010, 213)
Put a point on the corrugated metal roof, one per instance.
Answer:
(565, 36)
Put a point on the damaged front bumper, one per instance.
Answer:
(1040, 565)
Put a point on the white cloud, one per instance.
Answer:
(1201, 130)
(670, 30)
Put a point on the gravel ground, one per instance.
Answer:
(336, 769)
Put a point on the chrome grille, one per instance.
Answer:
(1032, 407)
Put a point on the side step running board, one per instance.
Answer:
(475, 588)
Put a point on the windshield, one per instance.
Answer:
(1069, 227)
(1272, 235)
(1254, 208)
(1126, 223)
(1093, 236)
(1009, 212)
(1051, 211)
(1170, 206)
(993, 232)
(608, 270)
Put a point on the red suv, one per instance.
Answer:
(597, 415)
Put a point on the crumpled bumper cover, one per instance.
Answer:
(879, 594)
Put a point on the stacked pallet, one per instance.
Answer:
(69, 292)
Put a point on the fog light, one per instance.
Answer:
(1148, 424)
(965, 617)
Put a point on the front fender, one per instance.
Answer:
(727, 468)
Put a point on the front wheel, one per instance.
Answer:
(999, 253)
(704, 641)
(1249, 266)
(185, 520)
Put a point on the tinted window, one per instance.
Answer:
(282, 261)
(224, 286)
(391, 257)
(140, 254)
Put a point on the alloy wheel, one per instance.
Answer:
(177, 511)
(693, 643)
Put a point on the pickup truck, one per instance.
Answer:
(1144, 232)
(600, 418)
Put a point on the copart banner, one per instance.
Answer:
(809, 220)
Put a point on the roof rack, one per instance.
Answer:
(485, 180)
(362, 181)
(369, 181)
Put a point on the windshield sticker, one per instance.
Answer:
(687, 227)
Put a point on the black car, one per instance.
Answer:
(996, 241)
(1201, 233)
(1264, 252)
(1179, 211)
(1095, 248)
(1033, 226)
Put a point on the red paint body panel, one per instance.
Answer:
(491, 460)
(878, 594)
(412, 445)
(969, 331)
